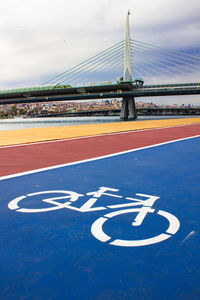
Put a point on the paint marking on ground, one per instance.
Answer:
(119, 226)
(93, 159)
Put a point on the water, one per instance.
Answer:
(19, 123)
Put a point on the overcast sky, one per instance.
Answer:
(42, 38)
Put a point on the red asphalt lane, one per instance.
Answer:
(17, 159)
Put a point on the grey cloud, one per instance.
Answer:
(44, 38)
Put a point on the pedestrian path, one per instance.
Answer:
(117, 219)
(33, 135)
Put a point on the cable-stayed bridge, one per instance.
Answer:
(126, 70)
(154, 64)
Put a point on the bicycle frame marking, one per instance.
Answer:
(97, 226)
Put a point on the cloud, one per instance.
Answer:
(42, 38)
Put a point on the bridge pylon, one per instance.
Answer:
(128, 110)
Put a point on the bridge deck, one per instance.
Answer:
(126, 89)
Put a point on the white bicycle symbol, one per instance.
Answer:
(97, 227)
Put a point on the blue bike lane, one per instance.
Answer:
(54, 255)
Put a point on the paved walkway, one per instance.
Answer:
(23, 136)
(25, 157)
(113, 216)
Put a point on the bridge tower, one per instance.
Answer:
(128, 110)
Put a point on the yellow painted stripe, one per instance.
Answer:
(24, 136)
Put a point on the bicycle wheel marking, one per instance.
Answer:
(97, 229)
(174, 223)
(13, 205)
(145, 242)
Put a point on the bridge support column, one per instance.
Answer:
(128, 110)
(124, 109)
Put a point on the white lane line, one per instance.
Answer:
(93, 159)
